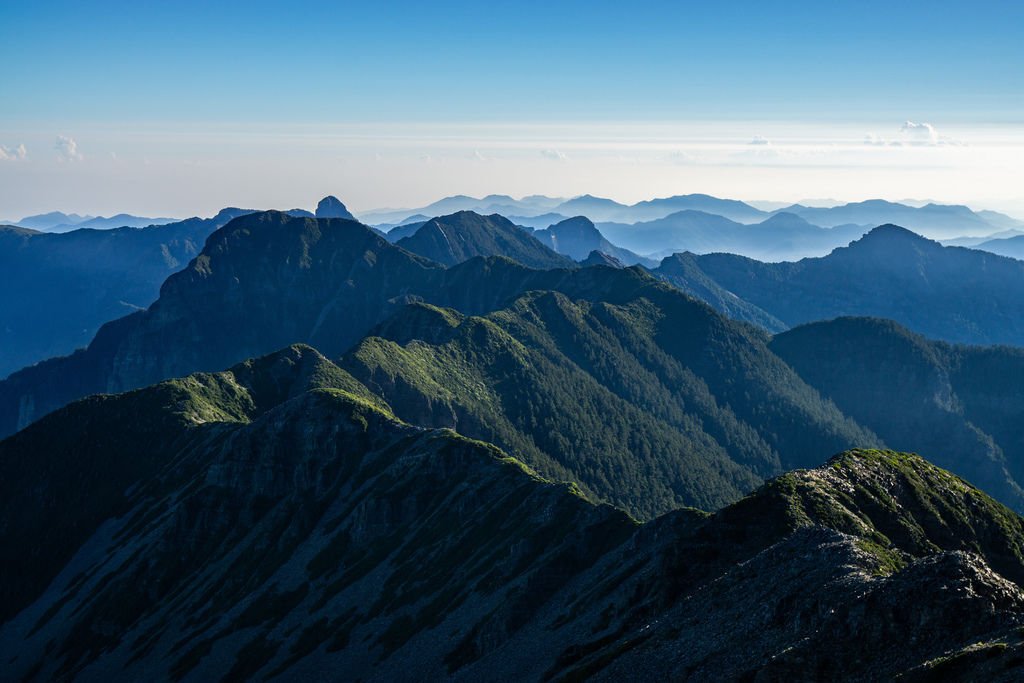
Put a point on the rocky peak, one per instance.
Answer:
(331, 207)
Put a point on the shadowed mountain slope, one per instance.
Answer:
(289, 529)
(949, 293)
(57, 289)
(960, 404)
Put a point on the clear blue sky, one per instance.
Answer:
(72, 68)
(302, 61)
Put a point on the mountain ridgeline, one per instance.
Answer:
(278, 520)
(948, 293)
(450, 240)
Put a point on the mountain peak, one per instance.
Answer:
(892, 233)
(786, 219)
(331, 207)
(599, 258)
(576, 223)
(462, 235)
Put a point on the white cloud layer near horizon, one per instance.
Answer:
(197, 169)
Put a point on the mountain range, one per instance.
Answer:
(56, 221)
(269, 279)
(480, 451)
(284, 523)
(783, 236)
(938, 221)
(1005, 246)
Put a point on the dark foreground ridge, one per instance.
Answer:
(279, 520)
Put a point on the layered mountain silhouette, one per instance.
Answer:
(938, 221)
(57, 221)
(947, 293)
(1005, 246)
(450, 240)
(784, 236)
(277, 520)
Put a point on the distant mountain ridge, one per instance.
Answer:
(61, 222)
(783, 236)
(938, 221)
(948, 293)
(1012, 247)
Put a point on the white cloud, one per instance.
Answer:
(760, 140)
(913, 135)
(67, 149)
(13, 153)
(919, 133)
(554, 154)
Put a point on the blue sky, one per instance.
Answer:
(168, 87)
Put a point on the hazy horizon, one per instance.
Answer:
(161, 112)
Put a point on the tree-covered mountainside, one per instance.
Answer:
(949, 293)
(277, 520)
(608, 394)
(56, 290)
(960, 404)
(262, 282)
(578, 237)
(461, 236)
